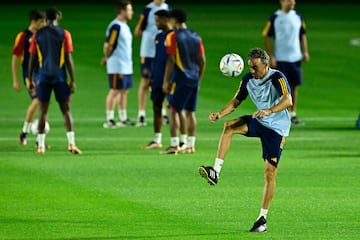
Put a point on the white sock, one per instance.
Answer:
(191, 141)
(71, 138)
(174, 141)
(141, 113)
(26, 127)
(109, 115)
(158, 137)
(183, 138)
(218, 165)
(122, 115)
(263, 213)
(163, 111)
(292, 114)
(41, 140)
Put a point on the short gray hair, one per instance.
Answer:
(259, 53)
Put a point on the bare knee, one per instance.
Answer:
(227, 128)
(269, 173)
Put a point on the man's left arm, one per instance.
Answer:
(304, 48)
(69, 60)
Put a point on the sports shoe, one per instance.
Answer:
(295, 121)
(109, 124)
(40, 150)
(171, 150)
(182, 146)
(141, 122)
(23, 138)
(126, 123)
(165, 120)
(153, 145)
(74, 149)
(259, 225)
(189, 150)
(209, 174)
(46, 146)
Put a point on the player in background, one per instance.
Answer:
(20, 55)
(146, 30)
(157, 94)
(119, 64)
(53, 46)
(185, 65)
(270, 122)
(289, 47)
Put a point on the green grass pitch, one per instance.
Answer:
(116, 190)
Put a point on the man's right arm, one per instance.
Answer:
(227, 109)
(15, 69)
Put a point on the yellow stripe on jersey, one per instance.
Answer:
(303, 24)
(40, 57)
(178, 60)
(62, 54)
(283, 86)
(238, 91)
(113, 37)
(17, 40)
(168, 39)
(282, 142)
(266, 29)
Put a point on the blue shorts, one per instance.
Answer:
(31, 93)
(119, 81)
(292, 72)
(272, 143)
(183, 97)
(146, 67)
(157, 95)
(61, 90)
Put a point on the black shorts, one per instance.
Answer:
(292, 72)
(272, 142)
(146, 66)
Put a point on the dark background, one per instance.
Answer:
(179, 1)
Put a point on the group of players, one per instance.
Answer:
(172, 65)
(44, 50)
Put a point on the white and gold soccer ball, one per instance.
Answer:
(34, 127)
(231, 65)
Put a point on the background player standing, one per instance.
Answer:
(119, 64)
(146, 29)
(186, 65)
(287, 27)
(54, 45)
(20, 55)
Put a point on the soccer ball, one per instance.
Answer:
(231, 65)
(34, 127)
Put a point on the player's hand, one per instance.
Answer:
(16, 86)
(103, 61)
(72, 87)
(262, 113)
(165, 87)
(306, 57)
(214, 116)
